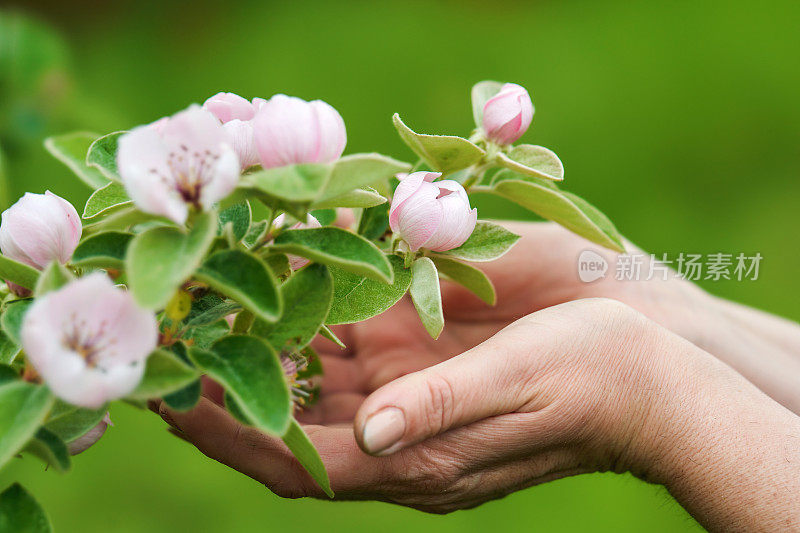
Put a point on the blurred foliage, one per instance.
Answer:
(678, 119)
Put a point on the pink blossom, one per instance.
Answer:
(507, 115)
(89, 340)
(240, 136)
(290, 131)
(431, 214)
(169, 166)
(229, 106)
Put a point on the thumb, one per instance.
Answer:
(485, 381)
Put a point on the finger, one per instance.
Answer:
(332, 409)
(267, 459)
(486, 381)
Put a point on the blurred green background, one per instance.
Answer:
(681, 120)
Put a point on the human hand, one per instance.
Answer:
(586, 386)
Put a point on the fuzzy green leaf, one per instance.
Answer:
(354, 171)
(488, 242)
(245, 278)
(103, 250)
(306, 301)
(48, 447)
(293, 183)
(18, 273)
(23, 408)
(356, 298)
(102, 155)
(106, 200)
(69, 422)
(365, 197)
(160, 259)
(21, 513)
(444, 153)
(239, 216)
(165, 373)
(71, 149)
(8, 349)
(12, 318)
(427, 296)
(52, 278)
(534, 161)
(467, 276)
(249, 369)
(336, 247)
(304, 451)
(570, 211)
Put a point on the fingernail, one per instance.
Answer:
(383, 429)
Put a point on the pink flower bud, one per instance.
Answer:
(89, 341)
(507, 115)
(87, 440)
(295, 261)
(431, 214)
(39, 229)
(185, 161)
(240, 136)
(229, 106)
(289, 131)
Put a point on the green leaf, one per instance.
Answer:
(365, 197)
(325, 217)
(304, 451)
(293, 183)
(21, 513)
(356, 298)
(69, 422)
(205, 336)
(534, 161)
(106, 200)
(239, 216)
(103, 250)
(444, 153)
(233, 408)
(336, 247)
(482, 92)
(427, 296)
(245, 278)
(160, 259)
(374, 222)
(71, 149)
(570, 211)
(11, 320)
(23, 408)
(307, 298)
(186, 398)
(102, 155)
(488, 242)
(209, 309)
(164, 373)
(278, 264)
(359, 170)
(326, 332)
(52, 278)
(48, 447)
(18, 273)
(120, 219)
(255, 233)
(249, 369)
(467, 276)
(8, 374)
(8, 349)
